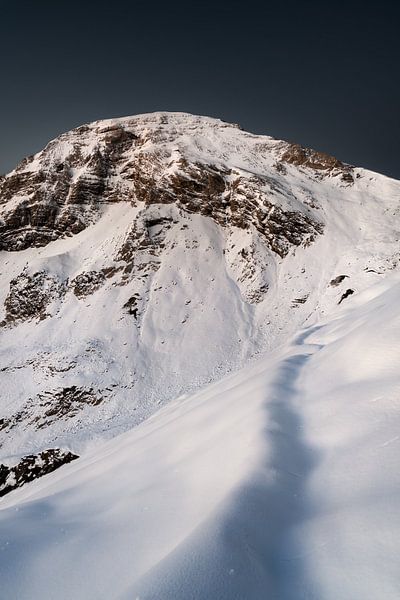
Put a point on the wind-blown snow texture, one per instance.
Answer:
(278, 481)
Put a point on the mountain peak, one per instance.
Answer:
(143, 257)
(158, 157)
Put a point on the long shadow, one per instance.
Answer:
(253, 554)
(268, 509)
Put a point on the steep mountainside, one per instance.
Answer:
(144, 257)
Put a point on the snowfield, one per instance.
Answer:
(280, 481)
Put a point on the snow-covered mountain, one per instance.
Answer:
(147, 256)
(142, 259)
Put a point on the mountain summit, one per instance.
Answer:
(147, 256)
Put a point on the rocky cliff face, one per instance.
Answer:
(144, 257)
(60, 191)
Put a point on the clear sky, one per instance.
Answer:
(324, 74)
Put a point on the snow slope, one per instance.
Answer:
(280, 481)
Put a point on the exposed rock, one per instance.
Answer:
(32, 467)
(301, 300)
(132, 305)
(144, 244)
(230, 199)
(60, 197)
(248, 265)
(87, 283)
(243, 202)
(52, 405)
(346, 294)
(90, 166)
(66, 402)
(319, 161)
(31, 295)
(337, 280)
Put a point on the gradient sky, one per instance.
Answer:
(324, 74)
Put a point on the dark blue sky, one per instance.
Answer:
(323, 74)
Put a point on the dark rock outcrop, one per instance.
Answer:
(59, 197)
(319, 161)
(30, 296)
(53, 405)
(87, 283)
(346, 294)
(32, 467)
(337, 280)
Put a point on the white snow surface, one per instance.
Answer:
(280, 481)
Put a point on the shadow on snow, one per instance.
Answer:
(253, 553)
